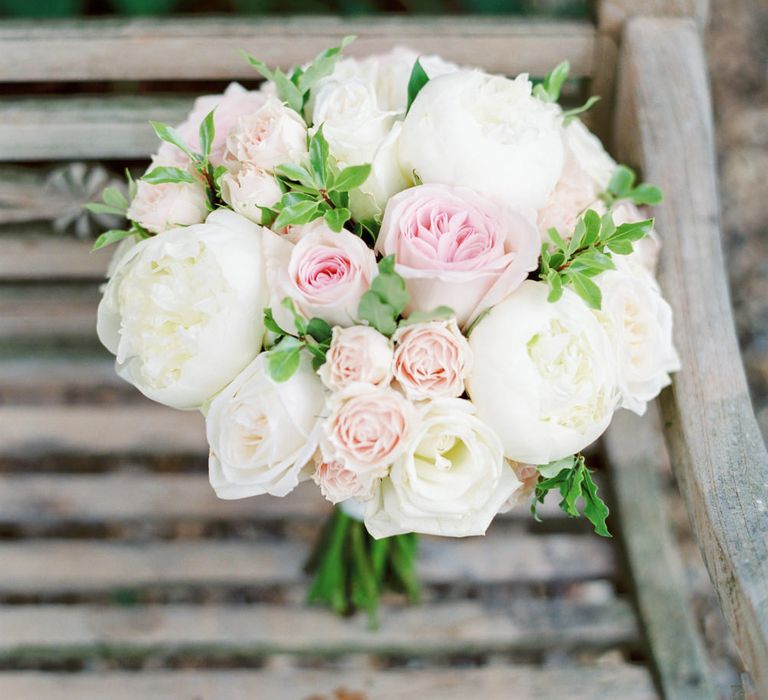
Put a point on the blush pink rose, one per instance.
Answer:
(367, 429)
(528, 476)
(234, 103)
(358, 355)
(457, 248)
(162, 207)
(325, 274)
(431, 360)
(339, 483)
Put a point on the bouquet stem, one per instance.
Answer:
(351, 569)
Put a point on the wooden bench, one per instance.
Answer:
(121, 574)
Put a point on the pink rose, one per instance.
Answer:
(338, 483)
(247, 189)
(325, 274)
(431, 360)
(367, 429)
(528, 476)
(456, 247)
(230, 106)
(161, 207)
(358, 355)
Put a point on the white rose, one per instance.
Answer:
(247, 188)
(487, 133)
(358, 355)
(262, 433)
(269, 137)
(639, 322)
(451, 480)
(544, 374)
(161, 207)
(183, 312)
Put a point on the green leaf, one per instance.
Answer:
(592, 262)
(271, 324)
(577, 238)
(296, 214)
(620, 247)
(377, 313)
(298, 173)
(286, 89)
(318, 156)
(554, 468)
(390, 287)
(586, 289)
(557, 239)
(437, 314)
(416, 82)
(646, 194)
(170, 135)
(131, 184)
(113, 197)
(632, 231)
(555, 282)
(207, 133)
(591, 227)
(319, 329)
(110, 237)
(336, 218)
(570, 114)
(553, 82)
(268, 216)
(621, 182)
(594, 509)
(99, 208)
(163, 174)
(284, 359)
(322, 65)
(298, 320)
(351, 177)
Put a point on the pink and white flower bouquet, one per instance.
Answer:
(422, 286)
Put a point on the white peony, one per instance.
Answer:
(589, 155)
(544, 374)
(183, 311)
(262, 433)
(639, 322)
(247, 189)
(487, 133)
(161, 207)
(451, 480)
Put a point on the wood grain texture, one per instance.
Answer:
(635, 449)
(64, 312)
(719, 457)
(465, 627)
(208, 47)
(620, 680)
(613, 14)
(77, 565)
(45, 257)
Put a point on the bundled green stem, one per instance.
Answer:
(352, 569)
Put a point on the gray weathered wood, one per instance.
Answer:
(634, 447)
(620, 680)
(49, 312)
(613, 14)
(716, 448)
(208, 47)
(41, 257)
(466, 627)
(75, 565)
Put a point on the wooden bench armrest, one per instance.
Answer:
(664, 125)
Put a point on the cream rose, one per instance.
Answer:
(432, 360)
(451, 480)
(457, 248)
(544, 375)
(161, 207)
(339, 483)
(367, 429)
(247, 189)
(639, 322)
(183, 312)
(262, 433)
(358, 355)
(269, 137)
(485, 132)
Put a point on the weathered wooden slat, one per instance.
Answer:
(207, 48)
(27, 431)
(621, 680)
(49, 312)
(635, 450)
(717, 451)
(613, 14)
(466, 627)
(64, 128)
(34, 257)
(76, 565)
(49, 377)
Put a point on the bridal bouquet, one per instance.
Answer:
(422, 286)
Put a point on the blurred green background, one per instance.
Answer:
(77, 8)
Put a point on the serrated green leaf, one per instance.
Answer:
(170, 135)
(586, 289)
(377, 313)
(164, 174)
(553, 83)
(351, 177)
(621, 181)
(110, 237)
(300, 213)
(594, 509)
(417, 80)
(439, 313)
(570, 114)
(297, 173)
(319, 329)
(99, 208)
(284, 359)
(336, 218)
(318, 156)
(207, 133)
(646, 194)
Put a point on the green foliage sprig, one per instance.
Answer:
(622, 186)
(320, 190)
(295, 89)
(588, 253)
(313, 335)
(116, 203)
(382, 305)
(549, 89)
(416, 82)
(571, 477)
